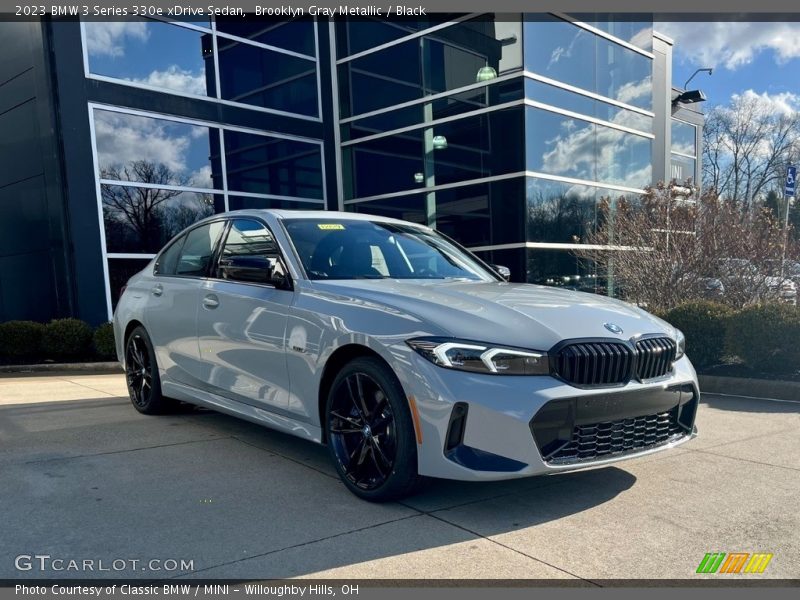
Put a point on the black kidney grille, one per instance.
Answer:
(595, 363)
(654, 357)
(603, 440)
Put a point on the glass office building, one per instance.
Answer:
(503, 131)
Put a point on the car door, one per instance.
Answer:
(241, 323)
(174, 298)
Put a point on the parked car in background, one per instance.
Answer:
(404, 353)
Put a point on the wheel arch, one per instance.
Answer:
(338, 359)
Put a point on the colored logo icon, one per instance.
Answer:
(734, 562)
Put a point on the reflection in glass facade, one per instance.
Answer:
(570, 54)
(133, 147)
(503, 132)
(575, 125)
(152, 53)
(683, 155)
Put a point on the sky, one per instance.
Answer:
(760, 58)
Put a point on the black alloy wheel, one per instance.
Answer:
(370, 433)
(141, 374)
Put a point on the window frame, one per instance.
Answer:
(223, 238)
(181, 238)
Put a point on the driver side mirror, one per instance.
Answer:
(504, 272)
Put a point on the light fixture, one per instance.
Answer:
(439, 142)
(690, 97)
(485, 74)
(419, 177)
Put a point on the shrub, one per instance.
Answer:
(104, 341)
(67, 338)
(704, 324)
(21, 339)
(766, 337)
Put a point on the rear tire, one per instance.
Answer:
(370, 432)
(142, 377)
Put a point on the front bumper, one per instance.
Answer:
(486, 427)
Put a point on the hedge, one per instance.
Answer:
(21, 339)
(704, 324)
(104, 341)
(67, 338)
(766, 337)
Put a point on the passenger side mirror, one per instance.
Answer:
(504, 272)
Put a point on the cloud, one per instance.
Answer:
(108, 38)
(785, 103)
(123, 139)
(731, 44)
(175, 78)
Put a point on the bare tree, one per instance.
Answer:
(746, 147)
(664, 250)
(144, 210)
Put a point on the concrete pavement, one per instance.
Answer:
(83, 476)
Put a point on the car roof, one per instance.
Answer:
(288, 214)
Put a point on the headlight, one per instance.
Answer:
(481, 358)
(681, 340)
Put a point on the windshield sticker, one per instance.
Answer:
(330, 226)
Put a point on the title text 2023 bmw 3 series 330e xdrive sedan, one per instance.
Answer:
(404, 353)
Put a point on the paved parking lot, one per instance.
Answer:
(83, 476)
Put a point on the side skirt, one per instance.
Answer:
(241, 410)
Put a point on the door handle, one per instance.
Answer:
(211, 301)
(157, 290)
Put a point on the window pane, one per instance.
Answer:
(357, 35)
(444, 60)
(253, 75)
(565, 213)
(296, 35)
(473, 215)
(561, 268)
(274, 166)
(242, 202)
(143, 220)
(623, 26)
(682, 168)
(455, 104)
(559, 145)
(148, 52)
(684, 138)
(198, 249)
(120, 270)
(468, 148)
(560, 98)
(167, 262)
(148, 150)
(570, 54)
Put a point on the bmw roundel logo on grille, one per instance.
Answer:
(613, 328)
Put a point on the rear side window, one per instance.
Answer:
(198, 250)
(168, 260)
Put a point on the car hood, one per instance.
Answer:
(514, 314)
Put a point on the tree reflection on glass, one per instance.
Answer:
(143, 219)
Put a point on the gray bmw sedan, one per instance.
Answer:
(405, 354)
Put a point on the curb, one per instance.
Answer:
(87, 368)
(756, 388)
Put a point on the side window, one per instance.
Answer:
(198, 250)
(249, 253)
(168, 260)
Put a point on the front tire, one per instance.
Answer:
(370, 433)
(141, 375)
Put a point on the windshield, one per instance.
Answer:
(350, 249)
